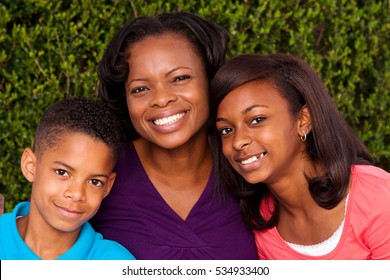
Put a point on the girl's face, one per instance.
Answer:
(166, 90)
(259, 136)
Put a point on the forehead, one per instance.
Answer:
(66, 139)
(78, 144)
(169, 46)
(258, 93)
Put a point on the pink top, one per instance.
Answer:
(366, 232)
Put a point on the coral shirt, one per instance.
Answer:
(366, 232)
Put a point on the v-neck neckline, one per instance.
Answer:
(205, 193)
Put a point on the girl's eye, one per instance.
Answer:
(258, 120)
(181, 78)
(96, 182)
(62, 172)
(138, 89)
(225, 131)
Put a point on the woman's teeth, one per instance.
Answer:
(169, 120)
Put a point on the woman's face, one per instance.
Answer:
(166, 90)
(259, 136)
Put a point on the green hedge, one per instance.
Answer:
(50, 50)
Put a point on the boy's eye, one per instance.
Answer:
(258, 120)
(62, 172)
(96, 182)
(181, 78)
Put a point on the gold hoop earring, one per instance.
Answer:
(303, 137)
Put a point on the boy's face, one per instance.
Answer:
(68, 182)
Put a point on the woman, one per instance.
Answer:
(308, 186)
(155, 73)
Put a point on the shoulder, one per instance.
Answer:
(104, 249)
(370, 189)
(110, 250)
(21, 209)
(369, 179)
(12, 245)
(370, 173)
(6, 223)
(126, 151)
(370, 209)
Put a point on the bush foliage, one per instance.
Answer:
(50, 50)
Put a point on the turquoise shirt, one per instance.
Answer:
(89, 246)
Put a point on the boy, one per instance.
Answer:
(71, 171)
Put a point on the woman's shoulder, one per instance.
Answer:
(126, 154)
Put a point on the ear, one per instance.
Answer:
(304, 121)
(110, 183)
(28, 164)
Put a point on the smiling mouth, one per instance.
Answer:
(169, 120)
(253, 159)
(69, 210)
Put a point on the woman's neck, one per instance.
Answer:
(180, 175)
(190, 157)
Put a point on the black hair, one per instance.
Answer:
(209, 41)
(80, 115)
(331, 143)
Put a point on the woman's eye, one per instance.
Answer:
(138, 89)
(96, 182)
(181, 78)
(258, 120)
(62, 172)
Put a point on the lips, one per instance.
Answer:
(69, 213)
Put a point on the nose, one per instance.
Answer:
(75, 191)
(241, 139)
(162, 96)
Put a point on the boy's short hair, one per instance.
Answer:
(77, 115)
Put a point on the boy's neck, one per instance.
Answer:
(46, 244)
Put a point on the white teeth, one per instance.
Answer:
(252, 159)
(249, 160)
(169, 120)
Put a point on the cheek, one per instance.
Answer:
(204, 112)
(94, 198)
(227, 149)
(135, 112)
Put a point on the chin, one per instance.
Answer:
(252, 179)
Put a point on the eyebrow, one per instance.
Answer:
(169, 73)
(135, 80)
(67, 166)
(177, 68)
(245, 111)
(252, 107)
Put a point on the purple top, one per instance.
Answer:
(135, 215)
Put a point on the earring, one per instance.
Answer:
(303, 137)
